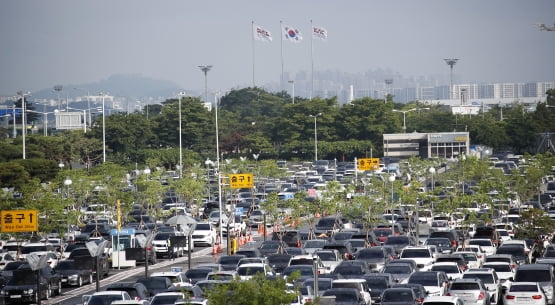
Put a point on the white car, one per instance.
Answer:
(247, 271)
(471, 259)
(487, 245)
(452, 269)
(204, 234)
(423, 256)
(359, 284)
(176, 275)
(529, 293)
(330, 258)
(505, 272)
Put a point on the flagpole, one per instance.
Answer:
(311, 60)
(281, 40)
(253, 57)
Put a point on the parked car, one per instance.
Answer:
(471, 290)
(541, 273)
(74, 274)
(397, 296)
(22, 286)
(525, 293)
(137, 291)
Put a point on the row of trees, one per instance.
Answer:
(252, 120)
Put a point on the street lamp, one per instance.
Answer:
(181, 95)
(292, 82)
(432, 172)
(391, 179)
(103, 129)
(388, 83)
(205, 69)
(404, 112)
(451, 62)
(315, 135)
(58, 88)
(23, 118)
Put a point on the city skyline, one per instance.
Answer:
(66, 42)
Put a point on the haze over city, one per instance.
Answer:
(45, 43)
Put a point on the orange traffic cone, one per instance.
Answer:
(219, 248)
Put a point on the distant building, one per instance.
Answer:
(426, 145)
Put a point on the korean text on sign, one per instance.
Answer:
(19, 221)
(239, 181)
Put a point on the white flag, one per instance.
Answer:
(292, 34)
(319, 33)
(262, 34)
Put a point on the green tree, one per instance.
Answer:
(258, 290)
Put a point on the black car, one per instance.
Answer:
(229, 262)
(155, 284)
(83, 257)
(396, 296)
(377, 283)
(350, 269)
(279, 261)
(137, 291)
(73, 273)
(418, 289)
(21, 288)
(198, 274)
(375, 257)
(7, 273)
(271, 247)
(291, 237)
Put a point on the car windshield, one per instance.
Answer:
(382, 233)
(397, 295)
(163, 236)
(523, 288)
(533, 276)
(249, 270)
(414, 253)
(278, 259)
(376, 283)
(229, 260)
(498, 267)
(66, 265)
(314, 244)
(154, 282)
(480, 242)
(202, 226)
(446, 269)
(486, 278)
(327, 256)
(438, 241)
(103, 299)
(31, 249)
(348, 270)
(23, 278)
(370, 254)
(302, 269)
(197, 273)
(398, 269)
(165, 299)
(465, 286)
(397, 240)
(424, 279)
(347, 295)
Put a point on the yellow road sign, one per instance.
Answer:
(239, 181)
(366, 164)
(19, 221)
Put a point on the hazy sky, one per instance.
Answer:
(48, 42)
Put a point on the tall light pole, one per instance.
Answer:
(404, 112)
(432, 172)
(181, 95)
(58, 88)
(451, 62)
(315, 135)
(391, 179)
(103, 129)
(205, 69)
(292, 82)
(23, 118)
(88, 103)
(388, 83)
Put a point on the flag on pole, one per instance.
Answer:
(292, 34)
(319, 33)
(262, 34)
